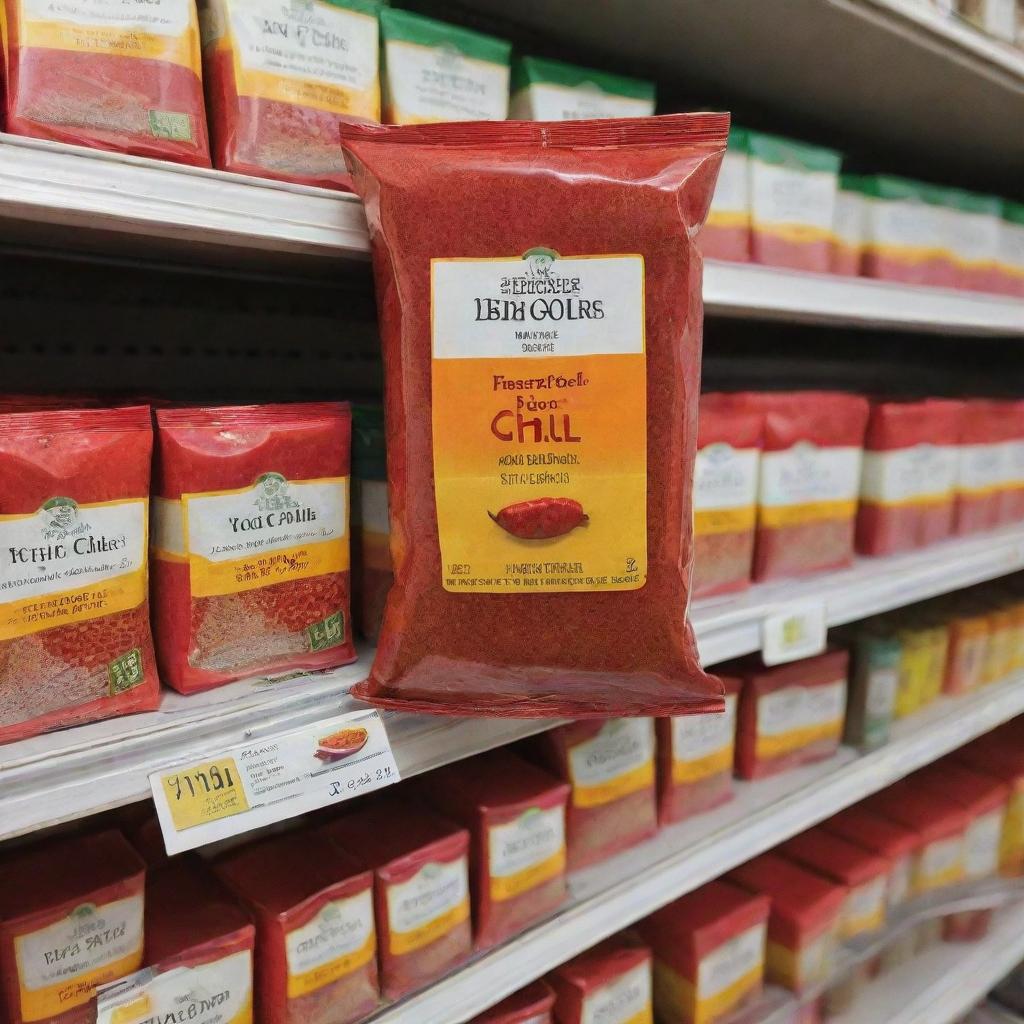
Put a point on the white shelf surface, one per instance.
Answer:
(73, 198)
(65, 775)
(611, 896)
(942, 984)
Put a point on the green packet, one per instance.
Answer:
(783, 152)
(550, 90)
(432, 71)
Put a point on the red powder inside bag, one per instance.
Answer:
(75, 643)
(316, 945)
(51, 896)
(531, 1005)
(515, 814)
(981, 477)
(122, 77)
(275, 110)
(724, 496)
(809, 479)
(540, 484)
(909, 475)
(610, 766)
(421, 888)
(251, 543)
(611, 982)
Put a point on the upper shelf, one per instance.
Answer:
(74, 199)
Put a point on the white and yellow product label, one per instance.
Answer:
(798, 716)
(526, 852)
(1012, 461)
(999, 18)
(339, 940)
(438, 83)
(540, 423)
(981, 845)
(627, 1000)
(546, 101)
(981, 471)
(900, 881)
(275, 531)
(795, 203)
(975, 236)
(807, 966)
(906, 229)
(70, 563)
(1011, 248)
(864, 910)
(848, 226)
(60, 966)
(724, 489)
(808, 483)
(166, 30)
(313, 53)
(728, 973)
(702, 745)
(923, 474)
(219, 992)
(427, 906)
(939, 864)
(618, 761)
(730, 207)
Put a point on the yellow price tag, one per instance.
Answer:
(203, 793)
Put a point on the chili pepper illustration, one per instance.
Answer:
(541, 518)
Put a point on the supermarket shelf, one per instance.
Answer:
(891, 77)
(54, 778)
(943, 983)
(613, 895)
(69, 197)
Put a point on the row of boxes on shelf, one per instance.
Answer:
(786, 203)
(1001, 19)
(320, 923)
(782, 917)
(278, 80)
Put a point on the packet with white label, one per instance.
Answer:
(71, 920)
(432, 71)
(1010, 275)
(315, 936)
(280, 79)
(530, 1005)
(251, 541)
(609, 984)
(75, 641)
(848, 226)
(551, 90)
(726, 232)
(874, 679)
(981, 475)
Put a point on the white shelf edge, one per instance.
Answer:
(941, 984)
(612, 896)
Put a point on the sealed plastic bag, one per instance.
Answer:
(539, 293)
(75, 643)
(120, 76)
(251, 545)
(281, 77)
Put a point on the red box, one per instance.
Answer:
(791, 714)
(908, 480)
(52, 895)
(865, 875)
(610, 982)
(695, 757)
(1011, 501)
(803, 927)
(420, 863)
(530, 1005)
(940, 822)
(724, 496)
(981, 479)
(316, 950)
(611, 768)
(897, 843)
(709, 950)
(515, 813)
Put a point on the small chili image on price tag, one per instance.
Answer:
(206, 792)
(794, 631)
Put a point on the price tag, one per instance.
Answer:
(203, 800)
(794, 632)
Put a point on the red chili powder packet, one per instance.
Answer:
(123, 77)
(908, 476)
(250, 541)
(981, 479)
(610, 766)
(1011, 502)
(540, 302)
(281, 78)
(724, 496)
(530, 1005)
(809, 481)
(611, 982)
(75, 642)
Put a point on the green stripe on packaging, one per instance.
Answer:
(852, 182)
(973, 202)
(1013, 212)
(739, 139)
(360, 6)
(541, 71)
(889, 186)
(405, 27)
(774, 149)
